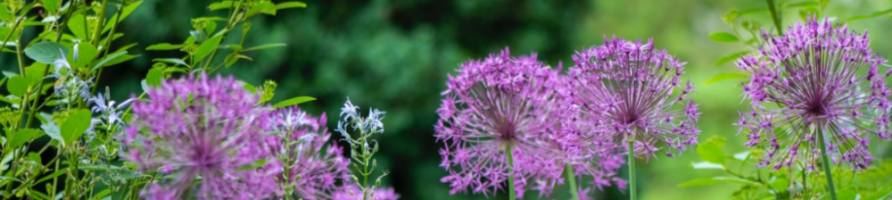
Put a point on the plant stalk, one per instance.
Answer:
(774, 17)
(511, 191)
(633, 195)
(571, 178)
(825, 158)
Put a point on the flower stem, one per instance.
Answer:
(826, 165)
(774, 16)
(633, 195)
(571, 177)
(511, 190)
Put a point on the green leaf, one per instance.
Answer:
(108, 58)
(86, 54)
(780, 184)
(206, 47)
(293, 101)
(5, 15)
(802, 4)
(17, 85)
(714, 180)
(100, 167)
(51, 6)
(35, 73)
(730, 57)
(78, 26)
(725, 77)
(265, 7)
(723, 37)
(871, 15)
(24, 135)
(249, 87)
(742, 156)
(165, 46)
(75, 125)
(266, 46)
(35, 157)
(290, 4)
(711, 150)
(847, 194)
(175, 61)
(222, 5)
(6, 178)
(46, 52)
(254, 165)
(707, 165)
(124, 13)
(51, 176)
(153, 78)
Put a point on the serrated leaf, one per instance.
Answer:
(207, 47)
(86, 54)
(78, 26)
(290, 4)
(164, 46)
(75, 125)
(707, 165)
(293, 101)
(730, 57)
(124, 13)
(153, 78)
(23, 135)
(711, 150)
(266, 46)
(714, 180)
(17, 85)
(726, 76)
(46, 52)
(723, 37)
(871, 15)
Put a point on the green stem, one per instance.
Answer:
(511, 191)
(97, 31)
(571, 178)
(633, 195)
(774, 16)
(826, 162)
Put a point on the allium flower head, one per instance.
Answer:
(312, 165)
(352, 192)
(198, 127)
(624, 91)
(816, 78)
(499, 103)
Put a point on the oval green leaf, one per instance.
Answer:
(24, 135)
(164, 46)
(75, 126)
(153, 78)
(17, 85)
(723, 37)
(290, 4)
(46, 52)
(293, 101)
(711, 150)
(206, 47)
(78, 26)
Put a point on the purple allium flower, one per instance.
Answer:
(498, 103)
(352, 192)
(815, 78)
(311, 169)
(624, 90)
(202, 128)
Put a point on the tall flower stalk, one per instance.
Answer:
(815, 89)
(363, 148)
(496, 118)
(625, 93)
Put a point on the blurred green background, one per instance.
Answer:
(394, 55)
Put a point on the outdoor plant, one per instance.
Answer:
(816, 99)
